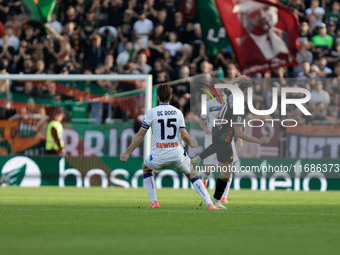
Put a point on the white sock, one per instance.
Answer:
(201, 190)
(214, 200)
(225, 194)
(149, 184)
(196, 160)
(204, 175)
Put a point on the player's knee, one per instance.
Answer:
(191, 175)
(146, 170)
(225, 174)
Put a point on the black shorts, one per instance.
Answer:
(224, 151)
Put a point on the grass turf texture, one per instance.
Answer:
(52, 220)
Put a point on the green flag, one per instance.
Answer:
(214, 34)
(41, 10)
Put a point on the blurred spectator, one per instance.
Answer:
(109, 35)
(4, 10)
(322, 42)
(95, 53)
(143, 28)
(9, 41)
(324, 70)
(4, 84)
(298, 7)
(305, 32)
(157, 43)
(319, 95)
(316, 11)
(40, 67)
(188, 9)
(304, 55)
(113, 11)
(63, 55)
(125, 29)
(55, 24)
(305, 72)
(142, 65)
(124, 56)
(173, 46)
(109, 64)
(334, 14)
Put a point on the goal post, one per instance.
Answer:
(95, 77)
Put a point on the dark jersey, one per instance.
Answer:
(225, 130)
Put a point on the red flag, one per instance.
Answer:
(263, 33)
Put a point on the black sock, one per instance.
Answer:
(221, 184)
(207, 152)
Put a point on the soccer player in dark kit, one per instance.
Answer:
(225, 126)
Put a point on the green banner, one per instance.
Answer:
(256, 174)
(41, 10)
(214, 34)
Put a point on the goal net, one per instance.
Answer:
(88, 100)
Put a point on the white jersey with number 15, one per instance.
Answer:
(165, 121)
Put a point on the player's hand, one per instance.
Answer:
(263, 140)
(124, 157)
(243, 78)
(193, 144)
(208, 131)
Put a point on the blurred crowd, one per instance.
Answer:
(162, 38)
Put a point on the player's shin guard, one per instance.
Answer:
(221, 184)
(149, 184)
(201, 190)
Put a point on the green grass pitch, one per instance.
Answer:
(52, 220)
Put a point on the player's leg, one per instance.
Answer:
(224, 198)
(183, 165)
(149, 185)
(204, 154)
(225, 158)
(221, 183)
(205, 172)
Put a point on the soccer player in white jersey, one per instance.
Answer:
(168, 126)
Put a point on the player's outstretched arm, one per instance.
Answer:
(186, 138)
(241, 134)
(134, 144)
(202, 123)
(239, 145)
(241, 78)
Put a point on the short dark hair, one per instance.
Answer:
(163, 92)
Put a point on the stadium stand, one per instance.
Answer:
(159, 37)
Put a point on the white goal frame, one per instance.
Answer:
(95, 77)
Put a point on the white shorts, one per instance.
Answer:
(212, 159)
(182, 164)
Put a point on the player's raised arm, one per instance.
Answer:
(241, 134)
(134, 144)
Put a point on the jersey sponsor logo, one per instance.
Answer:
(215, 108)
(166, 145)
